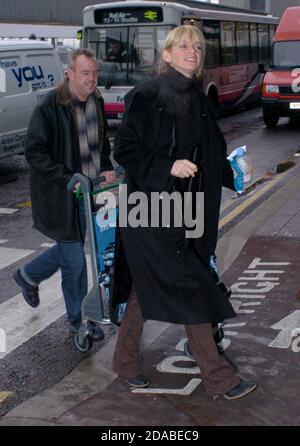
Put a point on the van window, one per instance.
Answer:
(15, 75)
(286, 54)
(44, 70)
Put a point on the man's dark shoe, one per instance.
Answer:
(139, 381)
(74, 327)
(96, 331)
(242, 389)
(30, 292)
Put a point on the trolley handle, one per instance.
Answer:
(85, 183)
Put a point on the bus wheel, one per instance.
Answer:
(214, 102)
(270, 118)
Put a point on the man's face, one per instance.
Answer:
(83, 77)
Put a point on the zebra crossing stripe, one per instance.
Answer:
(20, 322)
(8, 211)
(8, 256)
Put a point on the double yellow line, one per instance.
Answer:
(241, 208)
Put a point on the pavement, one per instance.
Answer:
(260, 258)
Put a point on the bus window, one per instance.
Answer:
(110, 47)
(272, 30)
(228, 43)
(211, 30)
(127, 55)
(263, 42)
(253, 42)
(146, 45)
(242, 42)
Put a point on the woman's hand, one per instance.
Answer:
(183, 169)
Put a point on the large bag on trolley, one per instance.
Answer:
(106, 240)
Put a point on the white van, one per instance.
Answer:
(28, 70)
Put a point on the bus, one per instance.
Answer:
(127, 38)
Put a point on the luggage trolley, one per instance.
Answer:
(101, 226)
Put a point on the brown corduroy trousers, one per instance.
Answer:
(217, 374)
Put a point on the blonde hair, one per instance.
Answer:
(174, 36)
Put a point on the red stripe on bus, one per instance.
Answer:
(225, 97)
(115, 108)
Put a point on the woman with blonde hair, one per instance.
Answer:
(169, 142)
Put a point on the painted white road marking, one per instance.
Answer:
(262, 274)
(167, 365)
(237, 324)
(2, 341)
(287, 327)
(257, 262)
(237, 304)
(8, 211)
(180, 346)
(2, 241)
(250, 296)
(187, 390)
(266, 287)
(230, 333)
(21, 322)
(9, 256)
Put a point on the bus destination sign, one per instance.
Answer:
(128, 15)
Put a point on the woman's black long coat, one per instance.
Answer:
(167, 270)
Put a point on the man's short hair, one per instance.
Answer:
(72, 57)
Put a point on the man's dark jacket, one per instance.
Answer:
(168, 271)
(52, 151)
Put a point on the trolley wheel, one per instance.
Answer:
(85, 345)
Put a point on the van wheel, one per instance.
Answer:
(270, 118)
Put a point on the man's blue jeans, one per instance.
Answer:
(69, 257)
